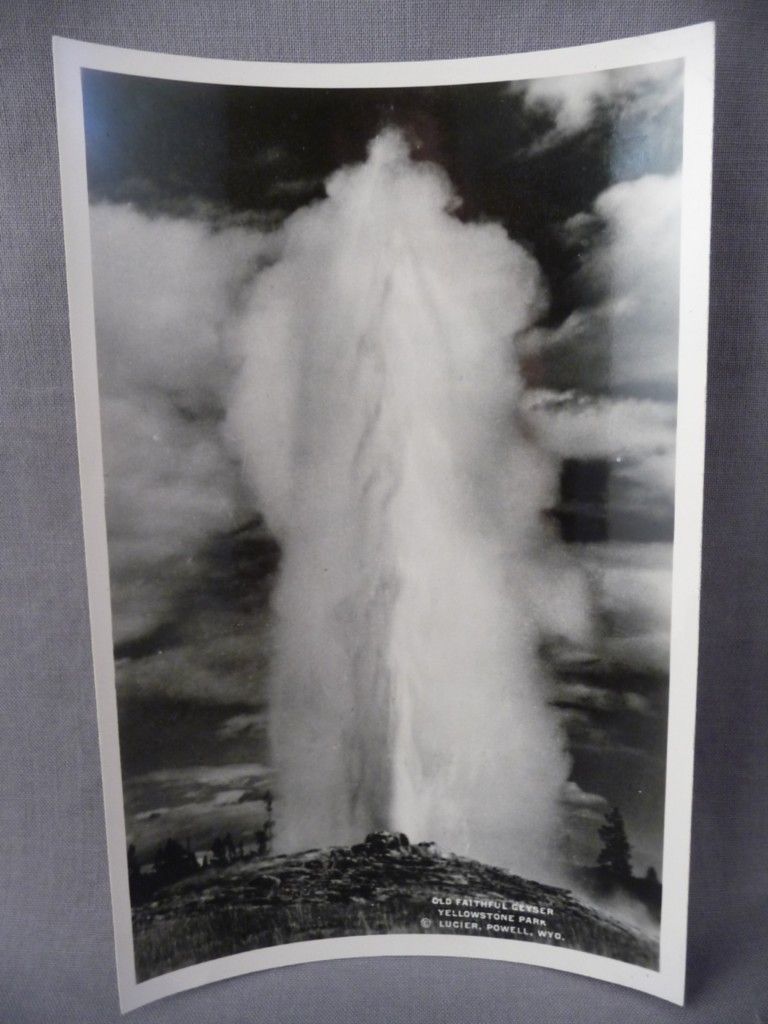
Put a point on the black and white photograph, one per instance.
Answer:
(388, 405)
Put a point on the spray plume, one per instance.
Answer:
(375, 412)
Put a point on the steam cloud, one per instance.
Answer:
(643, 100)
(376, 415)
(170, 481)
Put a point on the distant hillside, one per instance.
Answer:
(384, 885)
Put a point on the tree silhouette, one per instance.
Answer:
(229, 847)
(173, 861)
(219, 852)
(264, 835)
(614, 858)
(134, 868)
(137, 885)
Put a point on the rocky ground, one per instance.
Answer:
(384, 885)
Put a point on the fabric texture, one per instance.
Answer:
(56, 944)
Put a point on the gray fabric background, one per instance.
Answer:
(56, 953)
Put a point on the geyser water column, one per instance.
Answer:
(375, 415)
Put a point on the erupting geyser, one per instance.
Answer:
(375, 414)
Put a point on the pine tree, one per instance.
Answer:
(614, 858)
(134, 868)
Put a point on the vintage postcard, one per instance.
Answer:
(390, 387)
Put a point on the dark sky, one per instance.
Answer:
(174, 145)
(255, 155)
